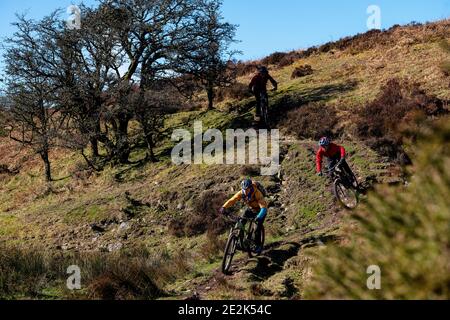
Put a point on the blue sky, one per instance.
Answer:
(266, 26)
(269, 25)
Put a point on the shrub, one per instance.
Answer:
(403, 230)
(358, 43)
(311, 121)
(250, 171)
(244, 68)
(237, 91)
(176, 228)
(389, 148)
(274, 59)
(4, 169)
(125, 282)
(388, 119)
(282, 59)
(290, 58)
(204, 218)
(302, 71)
(280, 106)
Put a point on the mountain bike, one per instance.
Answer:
(241, 238)
(345, 186)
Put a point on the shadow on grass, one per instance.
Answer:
(279, 107)
(276, 254)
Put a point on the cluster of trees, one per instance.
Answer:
(130, 60)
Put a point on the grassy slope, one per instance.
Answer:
(58, 216)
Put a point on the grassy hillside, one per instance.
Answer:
(142, 210)
(402, 230)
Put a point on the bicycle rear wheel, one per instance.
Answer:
(251, 238)
(347, 197)
(230, 250)
(265, 113)
(264, 110)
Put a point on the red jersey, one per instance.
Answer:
(333, 151)
(259, 83)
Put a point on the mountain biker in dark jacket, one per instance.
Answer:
(334, 153)
(258, 86)
(256, 207)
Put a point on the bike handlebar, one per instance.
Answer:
(334, 168)
(234, 218)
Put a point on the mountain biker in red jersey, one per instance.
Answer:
(258, 86)
(334, 153)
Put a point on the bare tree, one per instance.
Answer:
(35, 119)
(91, 59)
(208, 57)
(75, 87)
(151, 108)
(151, 33)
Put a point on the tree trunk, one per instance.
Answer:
(211, 95)
(150, 144)
(94, 138)
(123, 145)
(94, 147)
(45, 158)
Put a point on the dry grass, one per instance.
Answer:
(126, 275)
(312, 121)
(397, 111)
(237, 91)
(205, 216)
(213, 248)
(35, 212)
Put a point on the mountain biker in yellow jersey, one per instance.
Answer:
(256, 207)
(258, 86)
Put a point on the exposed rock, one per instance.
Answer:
(124, 226)
(66, 247)
(115, 246)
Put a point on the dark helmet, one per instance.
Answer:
(324, 142)
(263, 70)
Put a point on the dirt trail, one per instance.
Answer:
(276, 254)
(259, 269)
(277, 257)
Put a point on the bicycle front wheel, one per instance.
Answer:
(230, 250)
(347, 197)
